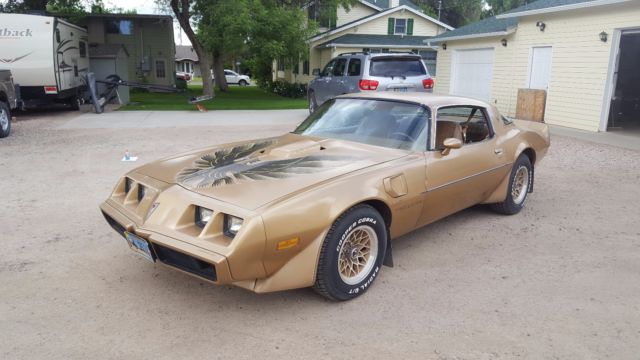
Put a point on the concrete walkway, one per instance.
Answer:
(172, 119)
(623, 139)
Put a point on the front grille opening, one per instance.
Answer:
(185, 262)
(114, 224)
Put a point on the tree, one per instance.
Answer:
(183, 10)
(499, 6)
(224, 29)
(454, 12)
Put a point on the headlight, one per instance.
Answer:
(128, 184)
(203, 216)
(232, 225)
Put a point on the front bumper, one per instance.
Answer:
(172, 252)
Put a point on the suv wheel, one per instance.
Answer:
(5, 120)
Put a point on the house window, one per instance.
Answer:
(400, 26)
(160, 71)
(82, 48)
(281, 65)
(119, 27)
(326, 15)
(305, 67)
(296, 68)
(366, 50)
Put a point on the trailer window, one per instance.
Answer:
(120, 27)
(160, 72)
(82, 46)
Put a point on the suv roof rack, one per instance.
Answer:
(377, 53)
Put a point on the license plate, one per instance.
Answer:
(402, 89)
(139, 245)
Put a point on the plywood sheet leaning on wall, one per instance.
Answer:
(530, 105)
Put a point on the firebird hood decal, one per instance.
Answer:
(205, 173)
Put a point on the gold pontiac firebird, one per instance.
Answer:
(318, 207)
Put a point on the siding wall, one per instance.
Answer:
(151, 39)
(357, 11)
(579, 66)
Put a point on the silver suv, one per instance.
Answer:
(356, 72)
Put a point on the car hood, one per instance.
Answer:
(254, 173)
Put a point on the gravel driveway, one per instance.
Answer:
(559, 280)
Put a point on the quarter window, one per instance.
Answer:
(469, 124)
(354, 67)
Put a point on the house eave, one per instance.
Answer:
(375, 46)
(561, 8)
(472, 36)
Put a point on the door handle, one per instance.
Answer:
(497, 151)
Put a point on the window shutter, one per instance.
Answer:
(409, 26)
(391, 27)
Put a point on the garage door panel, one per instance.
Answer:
(472, 73)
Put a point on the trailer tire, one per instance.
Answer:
(5, 120)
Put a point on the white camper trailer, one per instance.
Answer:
(47, 57)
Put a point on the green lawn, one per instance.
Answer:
(236, 98)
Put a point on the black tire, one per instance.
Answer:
(511, 205)
(313, 105)
(75, 102)
(243, 83)
(5, 120)
(329, 281)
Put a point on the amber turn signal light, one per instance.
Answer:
(287, 244)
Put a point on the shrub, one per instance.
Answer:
(286, 89)
(181, 84)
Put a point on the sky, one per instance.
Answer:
(148, 7)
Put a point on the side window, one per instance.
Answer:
(160, 71)
(354, 67)
(338, 69)
(228, 73)
(82, 46)
(328, 69)
(469, 124)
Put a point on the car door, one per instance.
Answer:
(354, 74)
(321, 83)
(337, 84)
(466, 176)
(232, 77)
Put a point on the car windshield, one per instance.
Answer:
(396, 66)
(391, 124)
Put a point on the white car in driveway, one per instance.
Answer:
(235, 78)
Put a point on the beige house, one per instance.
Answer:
(373, 26)
(584, 53)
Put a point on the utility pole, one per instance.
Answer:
(439, 8)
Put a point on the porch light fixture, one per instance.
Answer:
(503, 42)
(541, 25)
(603, 36)
(444, 46)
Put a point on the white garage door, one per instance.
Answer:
(472, 73)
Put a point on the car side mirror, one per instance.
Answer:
(451, 143)
(316, 72)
